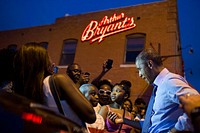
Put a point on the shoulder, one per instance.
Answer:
(59, 76)
(97, 108)
(173, 80)
(173, 77)
(104, 109)
(46, 83)
(62, 78)
(46, 80)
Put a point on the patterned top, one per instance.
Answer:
(98, 126)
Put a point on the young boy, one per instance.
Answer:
(91, 93)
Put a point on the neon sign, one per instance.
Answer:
(106, 27)
(32, 117)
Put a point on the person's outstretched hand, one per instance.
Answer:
(115, 117)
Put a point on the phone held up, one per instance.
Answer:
(109, 63)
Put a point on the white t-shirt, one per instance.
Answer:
(50, 102)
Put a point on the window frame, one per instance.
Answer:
(136, 51)
(44, 44)
(66, 53)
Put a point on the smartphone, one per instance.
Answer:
(55, 69)
(109, 63)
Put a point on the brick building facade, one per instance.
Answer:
(157, 24)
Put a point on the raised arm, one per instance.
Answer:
(103, 72)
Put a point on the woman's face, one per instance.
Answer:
(134, 111)
(104, 94)
(127, 106)
(117, 94)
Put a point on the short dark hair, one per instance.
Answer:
(126, 82)
(6, 64)
(126, 86)
(139, 101)
(150, 54)
(69, 67)
(104, 82)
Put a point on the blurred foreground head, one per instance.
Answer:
(31, 66)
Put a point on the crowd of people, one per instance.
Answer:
(99, 105)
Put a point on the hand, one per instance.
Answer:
(136, 119)
(115, 117)
(189, 102)
(105, 69)
(112, 116)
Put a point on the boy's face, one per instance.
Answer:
(92, 95)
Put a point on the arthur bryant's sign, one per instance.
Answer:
(106, 27)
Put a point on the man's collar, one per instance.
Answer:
(160, 76)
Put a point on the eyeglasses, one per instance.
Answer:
(102, 92)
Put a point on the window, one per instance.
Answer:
(44, 44)
(134, 45)
(68, 51)
(12, 47)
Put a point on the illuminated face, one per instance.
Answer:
(75, 73)
(51, 68)
(144, 71)
(134, 111)
(117, 94)
(104, 94)
(143, 111)
(127, 106)
(92, 95)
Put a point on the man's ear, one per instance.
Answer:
(150, 64)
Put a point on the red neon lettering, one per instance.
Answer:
(89, 31)
(106, 27)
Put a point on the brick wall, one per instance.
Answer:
(157, 20)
